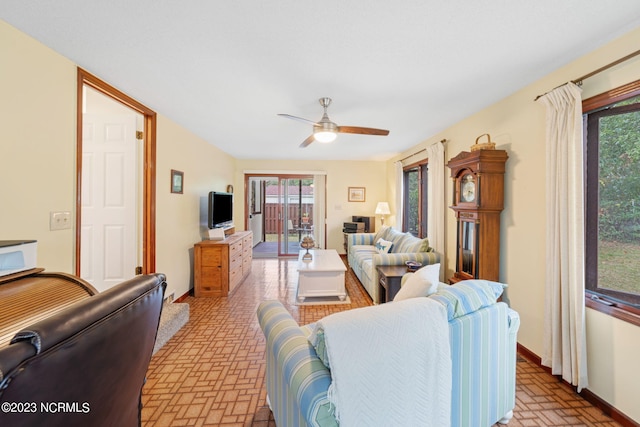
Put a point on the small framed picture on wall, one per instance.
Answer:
(357, 194)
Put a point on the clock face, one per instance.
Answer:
(468, 188)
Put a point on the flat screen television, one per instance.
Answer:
(220, 209)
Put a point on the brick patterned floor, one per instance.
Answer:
(211, 373)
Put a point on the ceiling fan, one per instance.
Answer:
(326, 131)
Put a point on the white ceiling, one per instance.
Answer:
(224, 70)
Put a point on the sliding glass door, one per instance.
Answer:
(295, 213)
(287, 215)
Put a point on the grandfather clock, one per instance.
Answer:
(478, 199)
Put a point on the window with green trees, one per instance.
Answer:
(613, 201)
(415, 199)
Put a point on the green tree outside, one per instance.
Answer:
(619, 201)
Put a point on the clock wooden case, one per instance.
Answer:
(478, 200)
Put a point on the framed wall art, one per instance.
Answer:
(357, 194)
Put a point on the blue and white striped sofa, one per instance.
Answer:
(483, 351)
(364, 258)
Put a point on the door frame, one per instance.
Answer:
(149, 168)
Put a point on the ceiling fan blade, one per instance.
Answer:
(361, 130)
(299, 119)
(307, 141)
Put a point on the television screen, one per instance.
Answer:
(220, 209)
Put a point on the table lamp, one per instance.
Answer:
(382, 209)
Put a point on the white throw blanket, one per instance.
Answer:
(390, 364)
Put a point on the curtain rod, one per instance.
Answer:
(411, 155)
(442, 141)
(579, 80)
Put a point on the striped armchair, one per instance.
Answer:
(364, 259)
(483, 355)
(293, 369)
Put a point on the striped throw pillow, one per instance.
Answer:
(468, 296)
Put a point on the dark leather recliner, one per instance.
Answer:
(86, 365)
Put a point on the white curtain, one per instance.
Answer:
(399, 195)
(564, 329)
(436, 200)
(435, 189)
(319, 210)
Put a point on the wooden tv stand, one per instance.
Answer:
(219, 266)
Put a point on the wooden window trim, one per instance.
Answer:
(594, 300)
(615, 309)
(419, 166)
(611, 97)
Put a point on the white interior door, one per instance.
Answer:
(110, 191)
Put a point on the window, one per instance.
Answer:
(612, 142)
(414, 220)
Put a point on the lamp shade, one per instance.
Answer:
(383, 208)
(325, 136)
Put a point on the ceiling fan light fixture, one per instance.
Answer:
(325, 136)
(326, 131)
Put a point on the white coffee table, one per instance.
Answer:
(322, 276)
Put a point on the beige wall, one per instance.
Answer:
(205, 169)
(340, 176)
(37, 145)
(37, 162)
(517, 124)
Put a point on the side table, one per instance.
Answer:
(389, 278)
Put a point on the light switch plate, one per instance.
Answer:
(59, 220)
